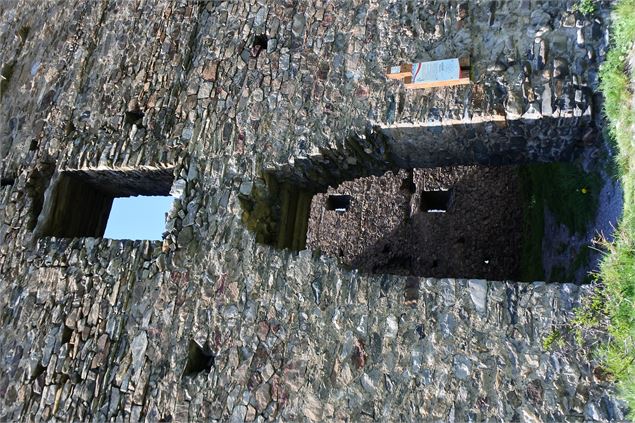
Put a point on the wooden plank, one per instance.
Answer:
(414, 86)
(398, 72)
(464, 79)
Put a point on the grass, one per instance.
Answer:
(533, 229)
(569, 193)
(613, 305)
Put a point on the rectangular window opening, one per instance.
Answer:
(6, 182)
(118, 204)
(437, 201)
(338, 203)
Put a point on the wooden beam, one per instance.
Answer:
(410, 86)
(464, 79)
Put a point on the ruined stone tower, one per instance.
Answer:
(242, 109)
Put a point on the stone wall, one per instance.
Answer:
(95, 328)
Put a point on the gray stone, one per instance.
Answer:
(238, 414)
(176, 87)
(462, 367)
(478, 293)
(298, 25)
(138, 348)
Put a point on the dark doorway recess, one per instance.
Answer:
(6, 182)
(338, 203)
(77, 203)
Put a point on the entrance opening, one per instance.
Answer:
(436, 201)
(78, 203)
(338, 203)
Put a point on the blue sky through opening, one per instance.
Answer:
(140, 217)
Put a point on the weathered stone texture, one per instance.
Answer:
(100, 329)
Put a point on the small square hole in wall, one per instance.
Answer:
(338, 203)
(120, 204)
(437, 201)
(259, 45)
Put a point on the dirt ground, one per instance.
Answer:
(386, 228)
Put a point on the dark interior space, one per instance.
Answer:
(198, 360)
(463, 221)
(78, 202)
(436, 201)
(339, 203)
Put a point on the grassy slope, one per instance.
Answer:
(618, 268)
(566, 191)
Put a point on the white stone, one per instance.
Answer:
(478, 293)
(392, 326)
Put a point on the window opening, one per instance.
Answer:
(260, 45)
(140, 217)
(79, 203)
(133, 117)
(437, 201)
(338, 203)
(198, 360)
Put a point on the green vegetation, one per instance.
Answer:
(533, 229)
(586, 7)
(552, 340)
(612, 308)
(569, 193)
(617, 272)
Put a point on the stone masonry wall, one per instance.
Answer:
(100, 329)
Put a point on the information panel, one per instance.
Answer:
(437, 71)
